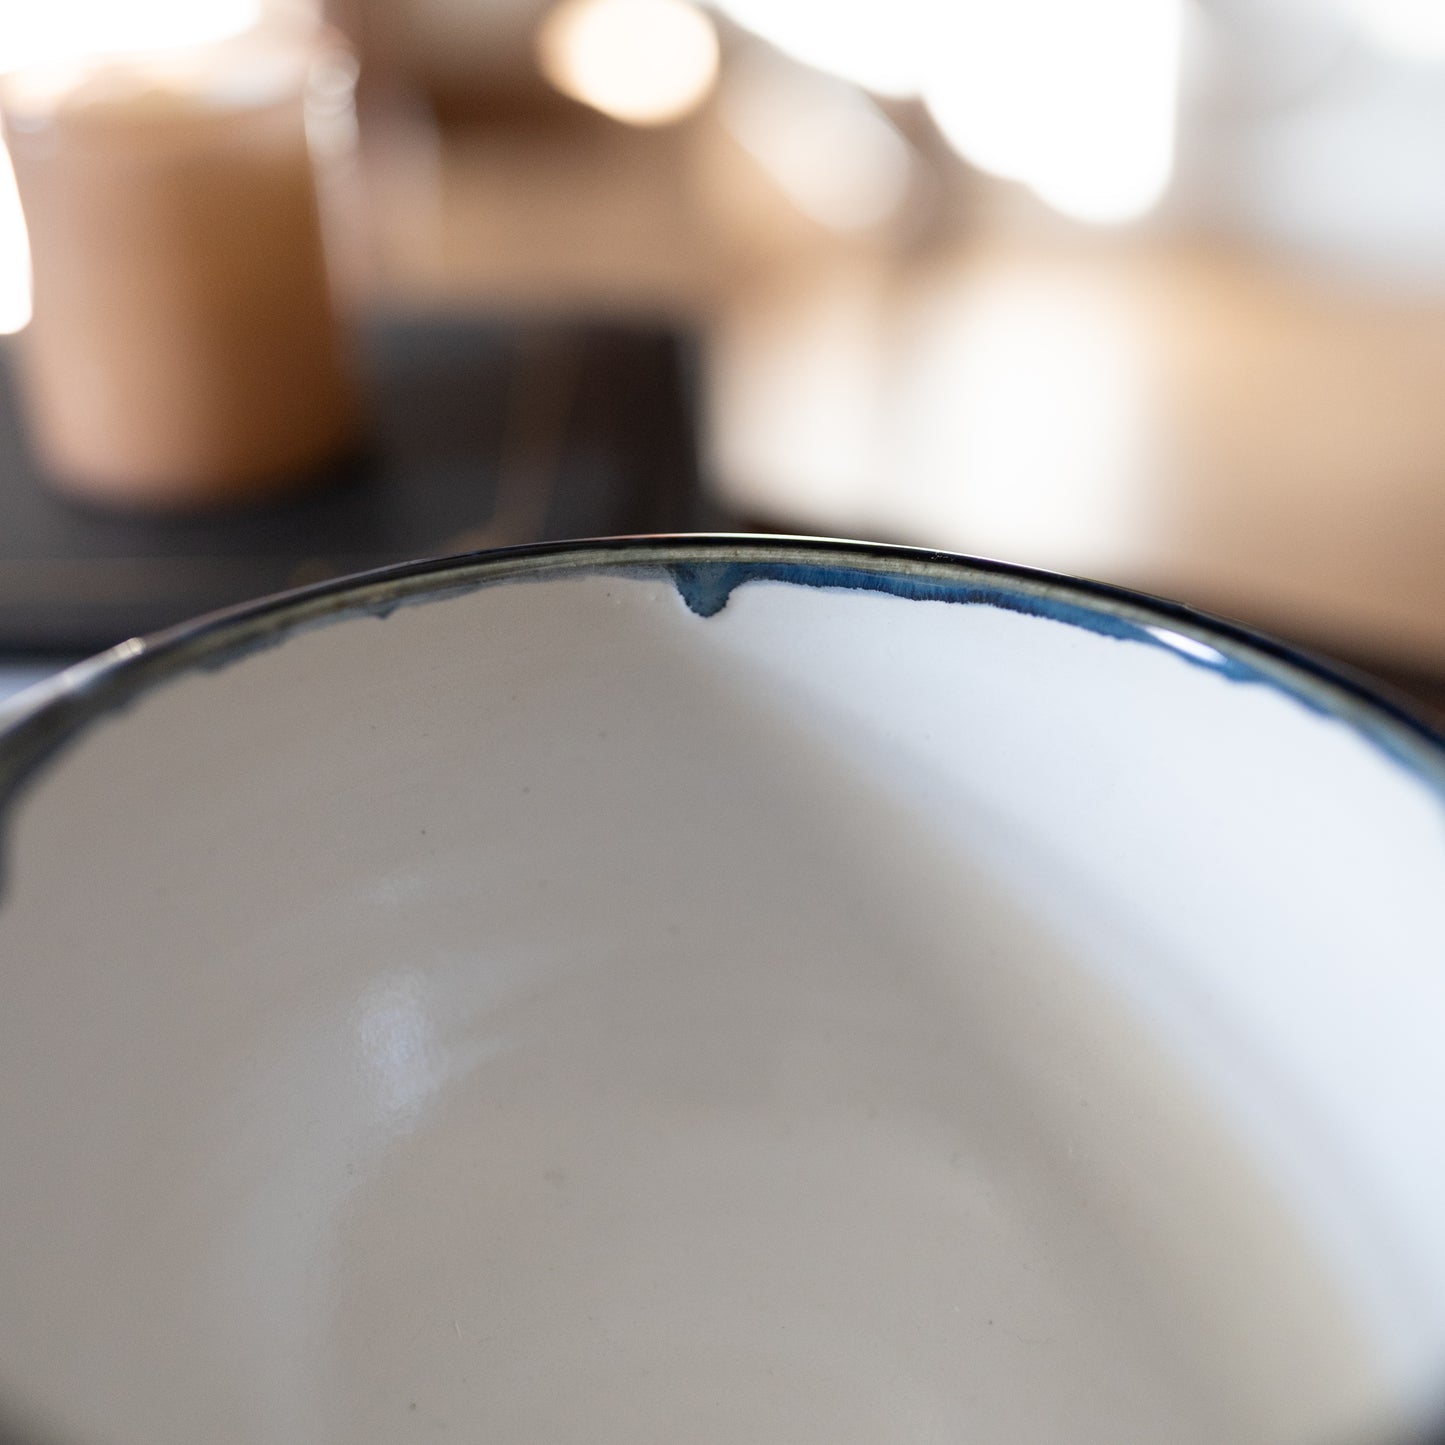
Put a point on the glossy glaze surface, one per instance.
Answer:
(546, 1013)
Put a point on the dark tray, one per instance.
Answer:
(482, 433)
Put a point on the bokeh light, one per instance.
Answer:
(646, 62)
(823, 143)
(1074, 98)
(60, 31)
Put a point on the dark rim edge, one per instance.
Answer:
(49, 715)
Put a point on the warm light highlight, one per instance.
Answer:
(645, 62)
(62, 31)
(824, 144)
(1074, 98)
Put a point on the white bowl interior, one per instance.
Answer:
(547, 1014)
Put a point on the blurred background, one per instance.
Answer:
(1151, 291)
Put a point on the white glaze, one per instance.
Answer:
(547, 1015)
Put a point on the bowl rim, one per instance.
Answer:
(39, 722)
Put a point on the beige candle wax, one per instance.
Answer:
(185, 348)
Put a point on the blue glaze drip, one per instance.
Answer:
(707, 586)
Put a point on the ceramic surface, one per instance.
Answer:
(719, 991)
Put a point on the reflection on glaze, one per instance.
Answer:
(1189, 646)
(397, 1046)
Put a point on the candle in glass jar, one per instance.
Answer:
(185, 348)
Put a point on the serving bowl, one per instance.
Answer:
(719, 989)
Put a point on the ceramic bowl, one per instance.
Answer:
(719, 991)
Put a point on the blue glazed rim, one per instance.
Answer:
(706, 569)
